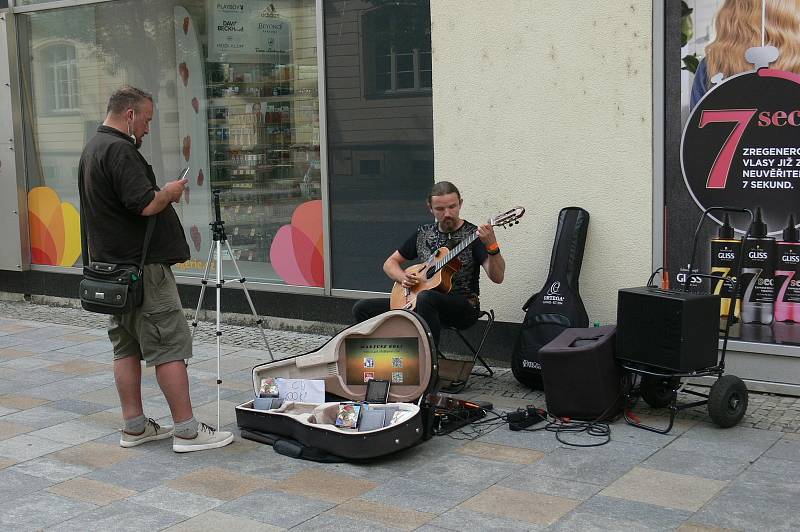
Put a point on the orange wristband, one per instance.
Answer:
(493, 248)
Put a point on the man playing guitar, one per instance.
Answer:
(459, 307)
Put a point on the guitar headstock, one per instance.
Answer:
(508, 218)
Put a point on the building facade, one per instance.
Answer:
(324, 123)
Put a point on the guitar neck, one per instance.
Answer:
(464, 244)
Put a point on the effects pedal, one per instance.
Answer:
(524, 418)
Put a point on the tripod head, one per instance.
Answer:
(217, 226)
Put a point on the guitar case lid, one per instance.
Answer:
(395, 345)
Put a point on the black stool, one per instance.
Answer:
(456, 372)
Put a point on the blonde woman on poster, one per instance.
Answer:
(738, 27)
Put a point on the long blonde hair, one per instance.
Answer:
(738, 25)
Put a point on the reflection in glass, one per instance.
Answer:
(245, 121)
(380, 133)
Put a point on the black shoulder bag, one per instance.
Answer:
(111, 288)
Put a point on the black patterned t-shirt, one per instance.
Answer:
(429, 238)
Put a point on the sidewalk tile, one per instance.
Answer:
(383, 514)
(606, 513)
(319, 484)
(330, 522)
(536, 508)
(73, 432)
(146, 471)
(693, 464)
(559, 487)
(422, 497)
(15, 485)
(785, 449)
(275, 508)
(775, 466)
(51, 469)
(214, 521)
(120, 516)
(455, 468)
(21, 402)
(41, 416)
(660, 488)
(9, 353)
(10, 429)
(91, 491)
(596, 465)
(461, 518)
(25, 447)
(179, 502)
(97, 455)
(741, 443)
(218, 483)
(755, 501)
(80, 367)
(77, 406)
(6, 462)
(692, 527)
(38, 511)
(502, 453)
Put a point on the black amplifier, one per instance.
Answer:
(668, 329)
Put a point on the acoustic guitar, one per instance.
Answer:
(437, 272)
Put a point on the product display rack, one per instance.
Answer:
(263, 130)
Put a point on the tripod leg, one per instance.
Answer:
(242, 280)
(203, 283)
(220, 281)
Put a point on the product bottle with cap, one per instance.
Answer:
(724, 263)
(758, 274)
(787, 275)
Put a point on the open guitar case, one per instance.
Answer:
(558, 305)
(307, 430)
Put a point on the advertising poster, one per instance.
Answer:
(393, 359)
(740, 149)
(247, 30)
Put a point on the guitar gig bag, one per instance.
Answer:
(558, 305)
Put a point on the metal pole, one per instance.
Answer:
(219, 332)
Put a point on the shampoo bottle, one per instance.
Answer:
(725, 251)
(787, 275)
(758, 274)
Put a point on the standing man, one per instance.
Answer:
(119, 194)
(461, 306)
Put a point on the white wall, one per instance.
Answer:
(548, 105)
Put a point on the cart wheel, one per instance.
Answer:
(657, 391)
(727, 401)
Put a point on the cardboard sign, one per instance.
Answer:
(301, 390)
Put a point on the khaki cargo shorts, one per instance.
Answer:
(157, 331)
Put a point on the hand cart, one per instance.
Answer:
(728, 397)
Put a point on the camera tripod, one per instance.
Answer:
(220, 237)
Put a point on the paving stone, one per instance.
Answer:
(41, 417)
(606, 513)
(25, 447)
(179, 502)
(536, 508)
(570, 489)
(502, 453)
(461, 518)
(9, 353)
(340, 523)
(51, 469)
(455, 468)
(660, 488)
(214, 521)
(91, 491)
(94, 455)
(121, 516)
(77, 406)
(701, 465)
(38, 511)
(73, 432)
(15, 484)
(385, 515)
(275, 508)
(596, 465)
(141, 473)
(755, 501)
(421, 497)
(218, 483)
(741, 443)
(785, 449)
(320, 484)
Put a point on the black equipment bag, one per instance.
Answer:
(558, 305)
(111, 288)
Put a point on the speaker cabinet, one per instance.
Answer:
(676, 331)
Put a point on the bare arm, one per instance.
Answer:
(171, 193)
(393, 267)
(494, 265)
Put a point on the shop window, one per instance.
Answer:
(397, 49)
(60, 69)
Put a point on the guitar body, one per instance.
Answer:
(442, 281)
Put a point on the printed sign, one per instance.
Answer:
(391, 359)
(249, 28)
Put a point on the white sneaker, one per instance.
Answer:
(207, 438)
(152, 431)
